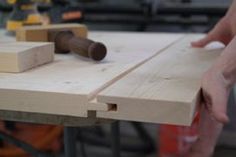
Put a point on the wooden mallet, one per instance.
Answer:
(67, 38)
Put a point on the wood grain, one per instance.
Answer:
(164, 89)
(67, 86)
(22, 56)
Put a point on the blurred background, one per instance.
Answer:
(132, 15)
(137, 139)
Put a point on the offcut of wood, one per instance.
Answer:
(20, 56)
(40, 33)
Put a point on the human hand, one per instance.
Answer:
(215, 92)
(209, 130)
(224, 30)
(216, 85)
(213, 105)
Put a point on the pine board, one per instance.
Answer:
(162, 90)
(66, 86)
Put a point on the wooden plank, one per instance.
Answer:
(67, 86)
(164, 89)
(40, 33)
(22, 56)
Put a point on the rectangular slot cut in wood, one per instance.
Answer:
(67, 86)
(164, 89)
(21, 56)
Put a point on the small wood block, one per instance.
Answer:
(40, 33)
(21, 56)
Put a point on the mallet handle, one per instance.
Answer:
(65, 41)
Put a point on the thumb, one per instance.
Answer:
(219, 106)
(213, 35)
(202, 42)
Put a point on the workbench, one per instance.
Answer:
(146, 77)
